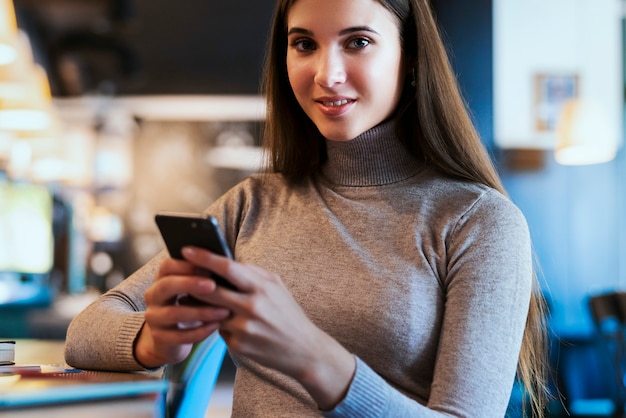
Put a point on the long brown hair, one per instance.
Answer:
(432, 120)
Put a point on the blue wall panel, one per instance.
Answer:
(575, 214)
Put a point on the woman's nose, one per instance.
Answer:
(331, 69)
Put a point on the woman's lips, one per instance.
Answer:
(335, 103)
(334, 106)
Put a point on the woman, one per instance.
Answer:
(380, 269)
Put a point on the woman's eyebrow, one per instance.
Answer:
(346, 31)
(301, 31)
(357, 29)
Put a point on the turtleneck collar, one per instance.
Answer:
(374, 158)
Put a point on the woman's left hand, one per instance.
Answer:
(268, 326)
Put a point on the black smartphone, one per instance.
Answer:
(185, 229)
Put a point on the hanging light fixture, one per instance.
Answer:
(25, 98)
(31, 107)
(584, 134)
(8, 32)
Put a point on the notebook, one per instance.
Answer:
(30, 387)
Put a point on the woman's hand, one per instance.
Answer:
(268, 326)
(162, 340)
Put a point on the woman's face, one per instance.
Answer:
(345, 64)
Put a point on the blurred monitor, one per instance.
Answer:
(26, 239)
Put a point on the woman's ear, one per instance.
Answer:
(410, 71)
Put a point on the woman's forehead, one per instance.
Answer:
(338, 14)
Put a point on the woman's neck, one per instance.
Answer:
(376, 157)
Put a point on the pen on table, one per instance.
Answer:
(36, 369)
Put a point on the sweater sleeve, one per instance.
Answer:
(487, 288)
(101, 337)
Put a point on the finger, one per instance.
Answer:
(208, 261)
(165, 290)
(184, 336)
(171, 266)
(168, 317)
(240, 275)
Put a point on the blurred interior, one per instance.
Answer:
(149, 105)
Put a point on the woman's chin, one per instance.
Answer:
(343, 131)
(339, 135)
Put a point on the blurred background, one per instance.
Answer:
(113, 109)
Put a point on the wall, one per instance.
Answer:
(172, 173)
(576, 214)
(574, 43)
(576, 217)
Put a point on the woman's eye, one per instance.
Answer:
(359, 43)
(303, 45)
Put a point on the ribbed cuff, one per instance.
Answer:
(126, 339)
(366, 396)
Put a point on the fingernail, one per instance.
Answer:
(222, 314)
(189, 252)
(206, 286)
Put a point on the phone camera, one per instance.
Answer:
(194, 225)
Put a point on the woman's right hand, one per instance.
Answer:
(162, 340)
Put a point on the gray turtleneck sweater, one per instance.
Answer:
(425, 279)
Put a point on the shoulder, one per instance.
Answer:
(257, 187)
(466, 204)
(250, 197)
(466, 196)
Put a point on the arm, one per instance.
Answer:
(488, 284)
(102, 336)
(135, 326)
(116, 333)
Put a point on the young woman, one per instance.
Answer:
(381, 271)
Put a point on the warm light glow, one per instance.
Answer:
(584, 135)
(19, 68)
(104, 225)
(24, 119)
(21, 157)
(79, 156)
(25, 104)
(236, 157)
(8, 32)
(7, 54)
(48, 169)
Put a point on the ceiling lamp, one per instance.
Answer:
(8, 32)
(25, 98)
(584, 134)
(29, 109)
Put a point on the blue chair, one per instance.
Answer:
(586, 381)
(192, 381)
(590, 368)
